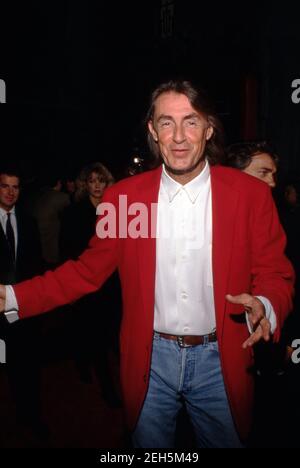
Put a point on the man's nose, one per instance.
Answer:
(179, 134)
(272, 181)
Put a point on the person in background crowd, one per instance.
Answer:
(20, 259)
(255, 158)
(47, 210)
(94, 349)
(69, 186)
(258, 159)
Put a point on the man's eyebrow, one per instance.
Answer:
(164, 117)
(186, 117)
(267, 169)
(193, 115)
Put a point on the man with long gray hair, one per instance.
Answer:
(203, 282)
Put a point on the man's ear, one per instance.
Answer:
(152, 131)
(209, 132)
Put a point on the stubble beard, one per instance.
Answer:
(189, 170)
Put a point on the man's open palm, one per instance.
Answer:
(256, 314)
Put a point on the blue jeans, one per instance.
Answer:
(193, 374)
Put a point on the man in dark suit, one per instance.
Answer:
(20, 258)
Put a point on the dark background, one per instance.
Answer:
(79, 74)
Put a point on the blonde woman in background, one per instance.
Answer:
(91, 183)
(95, 334)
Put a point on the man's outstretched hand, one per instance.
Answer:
(256, 315)
(2, 298)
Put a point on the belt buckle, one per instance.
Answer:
(180, 342)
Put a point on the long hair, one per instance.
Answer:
(199, 100)
(85, 173)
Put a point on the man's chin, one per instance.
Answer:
(174, 171)
(183, 170)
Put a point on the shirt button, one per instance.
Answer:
(184, 296)
(186, 329)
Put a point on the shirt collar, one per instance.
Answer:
(192, 189)
(3, 213)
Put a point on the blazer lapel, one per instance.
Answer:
(146, 247)
(224, 208)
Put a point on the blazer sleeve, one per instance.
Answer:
(272, 273)
(70, 281)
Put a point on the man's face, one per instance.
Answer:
(9, 191)
(181, 133)
(263, 167)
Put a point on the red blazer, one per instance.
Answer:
(248, 256)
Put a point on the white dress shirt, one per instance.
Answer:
(184, 291)
(184, 295)
(13, 220)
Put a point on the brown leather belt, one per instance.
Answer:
(186, 341)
